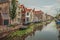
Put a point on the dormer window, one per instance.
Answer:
(27, 13)
(27, 19)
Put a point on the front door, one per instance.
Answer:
(6, 22)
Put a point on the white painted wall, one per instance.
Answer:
(26, 17)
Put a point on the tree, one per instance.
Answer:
(13, 9)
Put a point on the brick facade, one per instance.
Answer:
(4, 11)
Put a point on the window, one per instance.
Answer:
(23, 20)
(19, 19)
(5, 14)
(18, 13)
(23, 14)
(6, 22)
(27, 19)
(27, 13)
(19, 8)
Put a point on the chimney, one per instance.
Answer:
(33, 9)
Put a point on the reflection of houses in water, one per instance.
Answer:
(40, 27)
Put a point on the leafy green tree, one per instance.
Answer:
(13, 8)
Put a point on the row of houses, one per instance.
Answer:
(23, 15)
(28, 15)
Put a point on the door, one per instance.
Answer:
(6, 22)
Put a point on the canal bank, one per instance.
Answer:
(23, 33)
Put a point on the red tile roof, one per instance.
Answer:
(21, 6)
(38, 12)
(28, 10)
(23, 11)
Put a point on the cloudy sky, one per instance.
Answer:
(48, 6)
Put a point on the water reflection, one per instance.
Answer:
(39, 27)
(48, 32)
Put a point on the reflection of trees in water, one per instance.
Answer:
(39, 27)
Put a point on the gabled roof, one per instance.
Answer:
(23, 11)
(28, 9)
(39, 12)
(21, 6)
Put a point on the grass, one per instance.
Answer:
(22, 32)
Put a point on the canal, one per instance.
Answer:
(48, 32)
(45, 32)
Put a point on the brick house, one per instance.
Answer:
(26, 14)
(4, 12)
